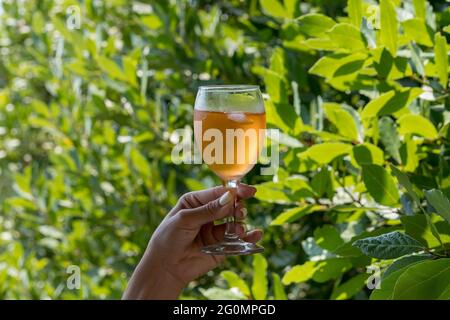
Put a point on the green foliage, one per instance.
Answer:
(419, 280)
(380, 184)
(389, 245)
(440, 203)
(259, 285)
(359, 90)
(388, 26)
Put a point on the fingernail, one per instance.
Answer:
(244, 212)
(225, 198)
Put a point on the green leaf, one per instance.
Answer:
(300, 273)
(111, 68)
(234, 281)
(342, 120)
(388, 246)
(326, 152)
(440, 203)
(404, 262)
(347, 249)
(272, 192)
(329, 269)
(347, 37)
(278, 289)
(403, 179)
(441, 58)
(355, 12)
(328, 237)
(420, 8)
(38, 22)
(418, 227)
(388, 284)
(390, 102)
(299, 187)
(416, 59)
(325, 44)
(274, 8)
(292, 7)
(140, 163)
(130, 67)
(389, 67)
(319, 271)
(277, 62)
(350, 287)
(315, 24)
(284, 117)
(152, 22)
(322, 183)
(409, 154)
(374, 107)
(380, 185)
(276, 87)
(388, 26)
(259, 285)
(194, 184)
(295, 214)
(424, 280)
(340, 69)
(433, 229)
(367, 153)
(416, 124)
(417, 30)
(389, 137)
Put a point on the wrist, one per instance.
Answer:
(151, 281)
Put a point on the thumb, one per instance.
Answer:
(213, 210)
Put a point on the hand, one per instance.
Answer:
(173, 257)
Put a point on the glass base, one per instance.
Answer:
(233, 247)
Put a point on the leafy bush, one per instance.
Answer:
(359, 90)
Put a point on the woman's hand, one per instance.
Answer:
(173, 257)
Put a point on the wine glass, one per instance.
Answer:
(229, 129)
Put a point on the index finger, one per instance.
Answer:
(198, 198)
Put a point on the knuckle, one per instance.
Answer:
(211, 207)
(185, 200)
(183, 215)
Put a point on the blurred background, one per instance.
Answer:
(90, 94)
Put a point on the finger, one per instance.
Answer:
(216, 233)
(245, 191)
(213, 210)
(240, 211)
(198, 198)
(253, 236)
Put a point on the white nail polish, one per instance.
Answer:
(244, 212)
(225, 198)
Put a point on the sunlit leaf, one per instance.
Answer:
(441, 58)
(350, 288)
(439, 202)
(279, 293)
(416, 124)
(380, 184)
(235, 281)
(259, 284)
(355, 12)
(315, 24)
(388, 26)
(324, 153)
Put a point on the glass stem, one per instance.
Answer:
(230, 232)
